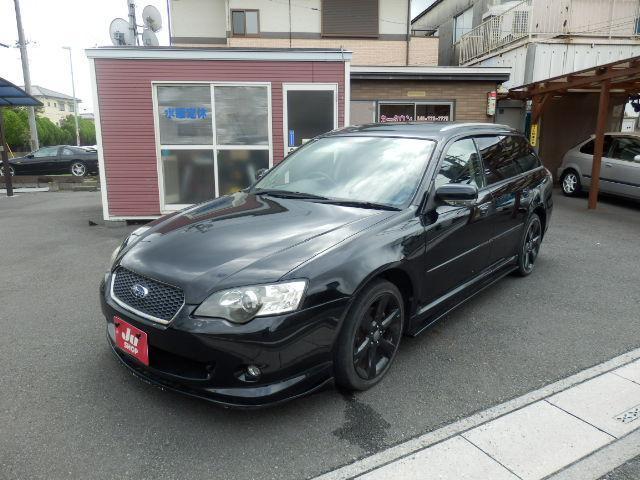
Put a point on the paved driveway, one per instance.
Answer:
(68, 410)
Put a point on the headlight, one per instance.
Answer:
(132, 238)
(239, 305)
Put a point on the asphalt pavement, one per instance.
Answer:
(68, 410)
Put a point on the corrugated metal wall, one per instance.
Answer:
(127, 123)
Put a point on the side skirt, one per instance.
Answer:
(489, 278)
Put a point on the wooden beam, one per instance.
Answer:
(607, 74)
(601, 123)
(537, 107)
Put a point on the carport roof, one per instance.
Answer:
(13, 96)
(624, 77)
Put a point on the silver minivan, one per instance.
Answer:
(620, 170)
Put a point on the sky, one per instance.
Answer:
(51, 24)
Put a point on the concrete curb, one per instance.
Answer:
(424, 441)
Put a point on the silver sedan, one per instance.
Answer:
(620, 171)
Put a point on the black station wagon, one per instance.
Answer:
(315, 272)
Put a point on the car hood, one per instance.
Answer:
(241, 239)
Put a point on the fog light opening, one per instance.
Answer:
(253, 373)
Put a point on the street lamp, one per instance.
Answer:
(75, 102)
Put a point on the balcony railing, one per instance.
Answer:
(531, 19)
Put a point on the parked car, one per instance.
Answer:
(619, 171)
(316, 271)
(78, 161)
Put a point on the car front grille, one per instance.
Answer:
(160, 304)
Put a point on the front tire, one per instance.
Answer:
(570, 183)
(11, 170)
(370, 336)
(78, 169)
(529, 245)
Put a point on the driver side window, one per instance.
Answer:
(461, 164)
(45, 152)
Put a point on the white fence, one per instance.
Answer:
(551, 18)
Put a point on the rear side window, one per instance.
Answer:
(505, 156)
(588, 147)
(625, 148)
(67, 151)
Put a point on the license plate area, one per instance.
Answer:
(131, 340)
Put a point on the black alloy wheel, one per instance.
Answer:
(530, 245)
(370, 337)
(11, 170)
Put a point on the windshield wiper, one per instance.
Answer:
(288, 194)
(355, 203)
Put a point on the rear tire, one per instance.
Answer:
(529, 245)
(78, 169)
(370, 336)
(570, 183)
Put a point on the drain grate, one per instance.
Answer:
(629, 415)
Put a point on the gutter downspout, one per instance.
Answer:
(408, 30)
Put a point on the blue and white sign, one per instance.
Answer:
(292, 138)
(186, 113)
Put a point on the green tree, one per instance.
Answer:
(86, 128)
(16, 126)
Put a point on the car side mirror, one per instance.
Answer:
(260, 173)
(636, 158)
(457, 194)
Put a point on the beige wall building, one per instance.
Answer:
(394, 75)
(56, 105)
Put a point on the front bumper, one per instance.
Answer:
(207, 358)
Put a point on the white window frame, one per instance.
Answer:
(286, 87)
(456, 19)
(450, 103)
(172, 207)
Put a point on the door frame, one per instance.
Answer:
(286, 87)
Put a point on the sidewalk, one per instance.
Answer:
(581, 427)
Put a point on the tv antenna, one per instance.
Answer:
(125, 33)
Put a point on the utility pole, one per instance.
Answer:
(75, 101)
(35, 144)
(133, 28)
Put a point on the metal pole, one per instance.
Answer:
(133, 28)
(35, 144)
(8, 181)
(601, 123)
(75, 101)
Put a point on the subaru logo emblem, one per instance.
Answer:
(139, 291)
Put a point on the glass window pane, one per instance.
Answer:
(185, 115)
(238, 23)
(237, 168)
(625, 148)
(461, 164)
(523, 154)
(497, 158)
(252, 23)
(433, 113)
(396, 113)
(309, 114)
(241, 115)
(188, 176)
(374, 169)
(362, 112)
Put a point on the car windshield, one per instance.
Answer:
(375, 170)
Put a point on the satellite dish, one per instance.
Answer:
(149, 39)
(120, 33)
(151, 18)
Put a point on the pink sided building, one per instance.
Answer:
(178, 126)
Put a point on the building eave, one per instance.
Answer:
(222, 53)
(492, 74)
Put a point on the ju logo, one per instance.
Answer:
(130, 338)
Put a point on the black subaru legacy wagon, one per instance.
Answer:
(315, 272)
